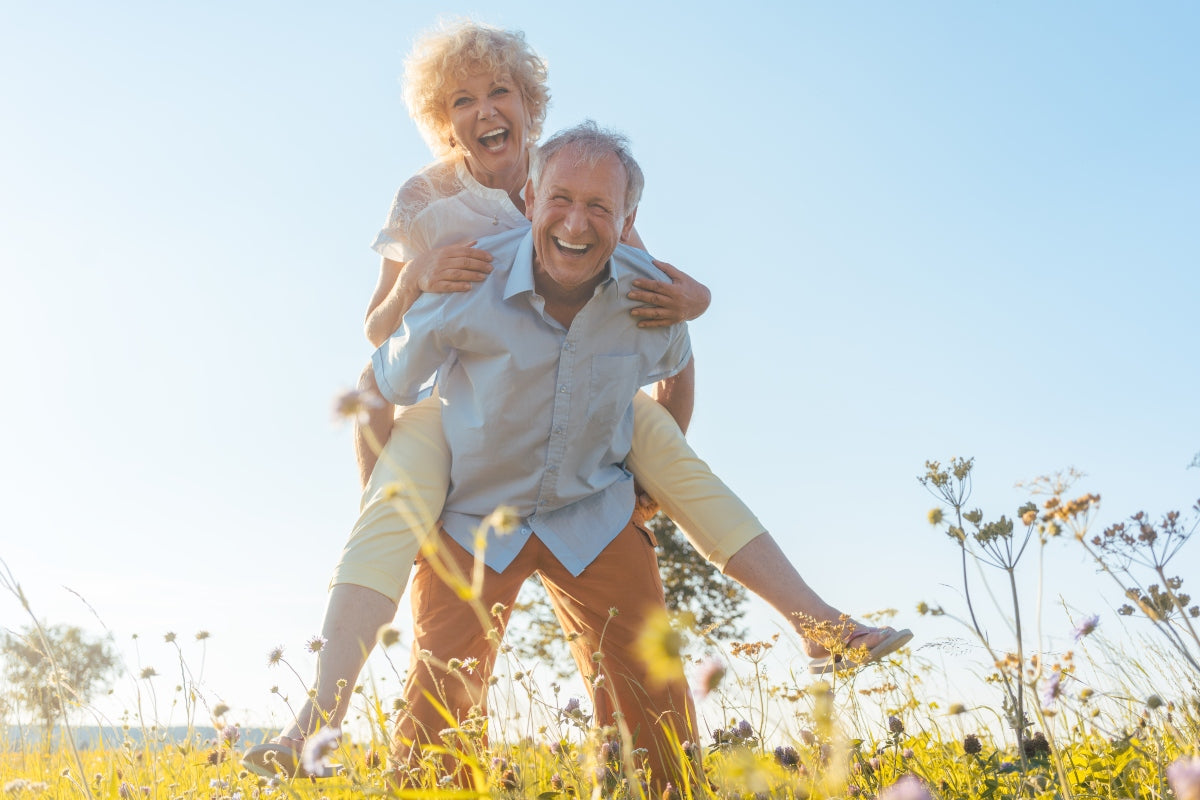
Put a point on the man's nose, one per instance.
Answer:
(575, 220)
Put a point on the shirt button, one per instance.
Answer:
(552, 468)
(563, 388)
(558, 429)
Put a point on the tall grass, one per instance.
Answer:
(1099, 721)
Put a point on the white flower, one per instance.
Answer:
(315, 757)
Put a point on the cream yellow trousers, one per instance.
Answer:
(403, 500)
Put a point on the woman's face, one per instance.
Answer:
(488, 120)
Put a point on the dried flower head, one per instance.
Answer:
(316, 644)
(972, 745)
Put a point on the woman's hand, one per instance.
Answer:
(683, 299)
(448, 269)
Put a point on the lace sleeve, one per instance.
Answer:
(397, 240)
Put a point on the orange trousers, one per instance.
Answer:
(624, 578)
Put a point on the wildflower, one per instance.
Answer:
(908, 787)
(216, 756)
(315, 757)
(571, 709)
(1086, 626)
(807, 737)
(1053, 688)
(659, 647)
(316, 644)
(956, 709)
(743, 730)
(373, 759)
(1037, 746)
(202, 635)
(1153, 702)
(230, 734)
(169, 637)
(972, 745)
(220, 710)
(935, 516)
(787, 757)
(149, 672)
(503, 520)
(1184, 777)
(275, 655)
(355, 406)
(388, 636)
(556, 782)
(895, 726)
(709, 676)
(907, 753)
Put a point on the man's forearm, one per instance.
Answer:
(677, 394)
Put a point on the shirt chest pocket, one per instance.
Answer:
(613, 383)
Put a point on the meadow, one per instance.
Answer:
(1100, 720)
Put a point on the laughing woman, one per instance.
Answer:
(479, 96)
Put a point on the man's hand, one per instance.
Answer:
(683, 299)
(453, 268)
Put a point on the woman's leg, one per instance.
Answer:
(726, 533)
(712, 517)
(399, 509)
(371, 436)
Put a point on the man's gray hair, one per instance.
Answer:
(589, 143)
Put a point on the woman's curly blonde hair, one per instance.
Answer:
(460, 49)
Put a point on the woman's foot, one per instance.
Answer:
(281, 757)
(846, 644)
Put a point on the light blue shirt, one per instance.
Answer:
(537, 416)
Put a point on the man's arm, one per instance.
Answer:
(413, 353)
(677, 394)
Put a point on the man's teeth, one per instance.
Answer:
(578, 248)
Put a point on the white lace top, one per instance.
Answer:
(441, 205)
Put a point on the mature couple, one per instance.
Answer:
(541, 336)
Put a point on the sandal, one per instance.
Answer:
(281, 758)
(890, 643)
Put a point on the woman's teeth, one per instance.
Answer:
(494, 140)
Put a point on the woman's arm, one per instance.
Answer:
(681, 300)
(446, 269)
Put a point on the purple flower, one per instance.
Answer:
(572, 707)
(787, 757)
(907, 788)
(317, 748)
(230, 734)
(743, 730)
(1184, 777)
(709, 676)
(1053, 689)
(1086, 626)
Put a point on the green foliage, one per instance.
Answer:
(55, 665)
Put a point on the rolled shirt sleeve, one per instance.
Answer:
(676, 356)
(406, 360)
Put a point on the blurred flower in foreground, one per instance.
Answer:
(317, 748)
(1053, 688)
(659, 647)
(907, 788)
(503, 520)
(355, 406)
(709, 676)
(1184, 777)
(1086, 626)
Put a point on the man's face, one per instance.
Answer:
(578, 215)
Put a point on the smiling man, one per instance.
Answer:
(542, 362)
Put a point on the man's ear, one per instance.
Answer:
(627, 227)
(529, 195)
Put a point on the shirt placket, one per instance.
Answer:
(560, 419)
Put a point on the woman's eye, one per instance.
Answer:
(499, 90)
(462, 101)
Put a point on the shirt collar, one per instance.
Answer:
(520, 277)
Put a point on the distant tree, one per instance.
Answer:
(692, 584)
(68, 666)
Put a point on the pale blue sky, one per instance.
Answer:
(930, 229)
